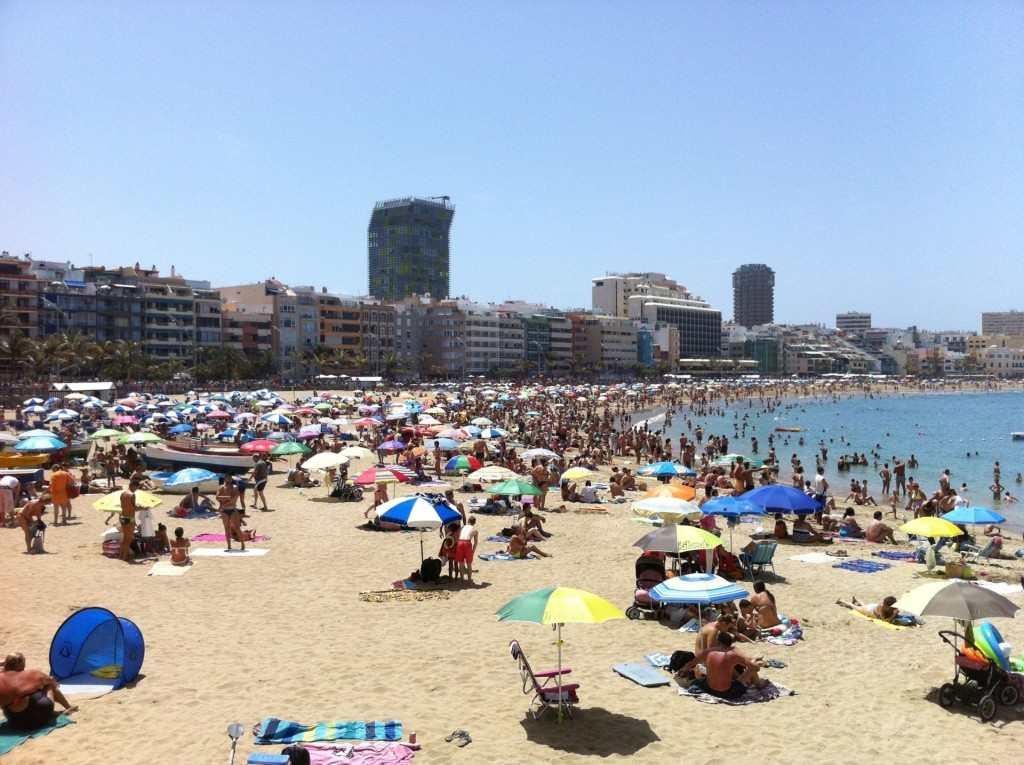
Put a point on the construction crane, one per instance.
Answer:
(446, 199)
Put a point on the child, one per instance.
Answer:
(84, 480)
(894, 502)
(179, 548)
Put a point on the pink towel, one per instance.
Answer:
(222, 538)
(369, 753)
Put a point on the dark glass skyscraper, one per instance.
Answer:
(409, 248)
(753, 295)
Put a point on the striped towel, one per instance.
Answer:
(273, 730)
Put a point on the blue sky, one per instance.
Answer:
(872, 153)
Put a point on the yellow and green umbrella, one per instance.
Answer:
(106, 433)
(930, 526)
(143, 437)
(112, 502)
(558, 606)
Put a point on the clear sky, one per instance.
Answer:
(872, 153)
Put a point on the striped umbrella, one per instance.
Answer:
(418, 512)
(375, 475)
(697, 589)
(462, 462)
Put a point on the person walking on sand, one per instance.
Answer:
(127, 520)
(230, 515)
(60, 493)
(260, 474)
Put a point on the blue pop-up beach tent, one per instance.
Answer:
(95, 648)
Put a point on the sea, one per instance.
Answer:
(965, 432)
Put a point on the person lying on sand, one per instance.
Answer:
(883, 611)
(27, 695)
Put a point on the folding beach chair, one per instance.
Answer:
(543, 685)
(755, 562)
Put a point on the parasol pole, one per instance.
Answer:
(558, 627)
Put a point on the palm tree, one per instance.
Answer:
(14, 349)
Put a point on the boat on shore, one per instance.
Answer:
(175, 456)
(15, 460)
(1017, 436)
(791, 429)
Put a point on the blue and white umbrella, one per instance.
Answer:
(36, 433)
(32, 402)
(973, 515)
(190, 477)
(183, 428)
(493, 433)
(418, 512)
(35, 409)
(661, 469)
(697, 589)
(440, 444)
(65, 414)
(781, 499)
(40, 444)
(276, 419)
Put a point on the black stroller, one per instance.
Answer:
(981, 684)
(649, 572)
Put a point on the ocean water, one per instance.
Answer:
(940, 430)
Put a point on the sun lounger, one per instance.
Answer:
(641, 674)
(544, 685)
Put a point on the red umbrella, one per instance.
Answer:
(218, 414)
(376, 475)
(367, 422)
(259, 446)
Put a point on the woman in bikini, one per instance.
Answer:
(230, 515)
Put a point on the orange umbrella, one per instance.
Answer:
(678, 491)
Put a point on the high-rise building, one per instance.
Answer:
(853, 322)
(699, 325)
(1002, 323)
(753, 295)
(409, 249)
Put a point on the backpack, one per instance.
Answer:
(430, 570)
(297, 754)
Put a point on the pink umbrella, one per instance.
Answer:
(261, 446)
(367, 422)
(126, 420)
(128, 402)
(219, 415)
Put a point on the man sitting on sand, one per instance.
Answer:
(878, 531)
(883, 611)
(27, 696)
(729, 672)
(708, 635)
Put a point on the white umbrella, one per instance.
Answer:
(325, 461)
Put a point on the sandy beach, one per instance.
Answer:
(287, 635)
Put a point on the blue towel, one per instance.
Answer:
(896, 555)
(659, 660)
(501, 555)
(10, 738)
(273, 730)
(498, 538)
(641, 674)
(862, 566)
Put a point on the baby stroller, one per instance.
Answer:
(649, 572)
(977, 681)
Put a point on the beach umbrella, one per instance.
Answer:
(777, 498)
(668, 509)
(32, 402)
(276, 419)
(697, 589)
(375, 475)
(455, 434)
(40, 444)
(391, 446)
(183, 428)
(426, 419)
(259, 446)
(930, 526)
(367, 422)
(973, 515)
(530, 454)
(964, 601)
(576, 474)
(558, 606)
(462, 462)
(491, 473)
(418, 512)
(481, 422)
(111, 503)
(36, 433)
(36, 409)
(69, 414)
(218, 414)
(677, 539)
(661, 469)
(515, 487)
(126, 419)
(324, 461)
(189, 477)
(440, 444)
(493, 433)
(145, 437)
(731, 508)
(679, 491)
(290, 447)
(357, 453)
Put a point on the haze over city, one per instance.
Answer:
(869, 153)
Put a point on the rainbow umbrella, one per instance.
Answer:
(462, 462)
(558, 606)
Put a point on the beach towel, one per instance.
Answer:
(815, 557)
(1003, 588)
(223, 538)
(166, 568)
(274, 730)
(909, 557)
(193, 515)
(659, 660)
(403, 596)
(641, 674)
(879, 622)
(501, 555)
(359, 754)
(862, 566)
(209, 552)
(499, 538)
(10, 738)
(87, 685)
(769, 692)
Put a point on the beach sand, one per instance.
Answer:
(287, 635)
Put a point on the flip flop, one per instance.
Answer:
(457, 733)
(463, 739)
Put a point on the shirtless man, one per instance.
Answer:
(763, 603)
(27, 696)
(878, 531)
(899, 472)
(31, 512)
(729, 672)
(541, 477)
(883, 611)
(708, 635)
(127, 520)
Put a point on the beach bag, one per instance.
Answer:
(73, 491)
(430, 570)
(38, 536)
(297, 754)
